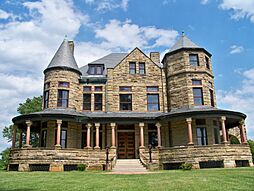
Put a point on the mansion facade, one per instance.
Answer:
(126, 103)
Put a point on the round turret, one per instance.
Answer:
(189, 77)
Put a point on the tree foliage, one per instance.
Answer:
(5, 159)
(30, 105)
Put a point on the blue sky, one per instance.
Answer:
(31, 31)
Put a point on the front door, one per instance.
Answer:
(126, 145)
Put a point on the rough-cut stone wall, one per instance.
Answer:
(179, 74)
(119, 76)
(195, 154)
(94, 159)
(57, 75)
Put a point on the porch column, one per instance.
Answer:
(243, 134)
(190, 138)
(141, 126)
(88, 135)
(223, 128)
(158, 125)
(97, 135)
(113, 127)
(20, 138)
(58, 133)
(14, 136)
(28, 123)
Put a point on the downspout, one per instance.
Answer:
(163, 101)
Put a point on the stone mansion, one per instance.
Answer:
(127, 103)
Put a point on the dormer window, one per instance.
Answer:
(95, 69)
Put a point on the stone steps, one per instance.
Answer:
(129, 165)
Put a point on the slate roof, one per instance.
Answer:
(109, 61)
(63, 58)
(183, 42)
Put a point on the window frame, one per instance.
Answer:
(152, 88)
(199, 97)
(121, 103)
(194, 62)
(61, 84)
(195, 82)
(96, 103)
(142, 69)
(98, 88)
(211, 97)
(203, 138)
(46, 99)
(61, 139)
(88, 103)
(125, 88)
(95, 69)
(132, 68)
(89, 88)
(46, 85)
(61, 99)
(207, 64)
(153, 103)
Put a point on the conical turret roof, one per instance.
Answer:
(183, 42)
(63, 58)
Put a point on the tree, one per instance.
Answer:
(251, 143)
(29, 106)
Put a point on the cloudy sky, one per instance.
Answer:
(31, 31)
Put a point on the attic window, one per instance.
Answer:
(95, 69)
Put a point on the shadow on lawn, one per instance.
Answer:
(19, 189)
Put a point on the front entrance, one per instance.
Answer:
(126, 144)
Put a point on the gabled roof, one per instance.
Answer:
(63, 58)
(183, 42)
(109, 61)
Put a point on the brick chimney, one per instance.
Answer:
(155, 56)
(71, 44)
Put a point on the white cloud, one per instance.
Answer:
(165, 2)
(4, 14)
(108, 5)
(204, 2)
(236, 49)
(240, 9)
(241, 99)
(128, 35)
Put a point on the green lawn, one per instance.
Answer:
(209, 179)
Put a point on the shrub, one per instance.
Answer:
(186, 166)
(251, 144)
(81, 167)
(5, 159)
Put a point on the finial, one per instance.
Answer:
(65, 37)
(182, 33)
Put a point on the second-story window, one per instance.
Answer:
(153, 102)
(63, 98)
(95, 69)
(132, 68)
(196, 82)
(125, 102)
(98, 102)
(87, 102)
(198, 96)
(142, 68)
(152, 88)
(193, 59)
(46, 99)
(64, 84)
(211, 97)
(125, 88)
(98, 88)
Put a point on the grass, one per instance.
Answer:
(208, 179)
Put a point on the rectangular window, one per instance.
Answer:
(152, 88)
(132, 68)
(96, 69)
(87, 102)
(152, 135)
(201, 136)
(142, 68)
(153, 102)
(125, 88)
(125, 102)
(43, 138)
(83, 139)
(64, 84)
(87, 88)
(216, 135)
(207, 63)
(193, 59)
(63, 138)
(98, 102)
(211, 97)
(63, 98)
(196, 82)
(198, 96)
(46, 99)
(46, 85)
(98, 88)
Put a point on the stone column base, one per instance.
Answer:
(27, 146)
(57, 146)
